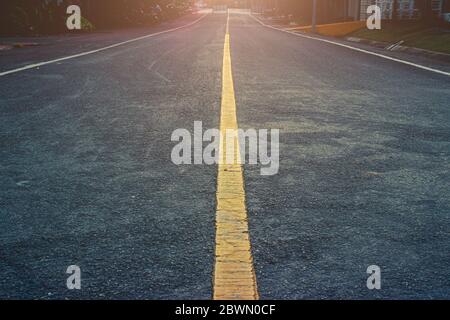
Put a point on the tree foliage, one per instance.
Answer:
(49, 16)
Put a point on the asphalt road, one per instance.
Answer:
(86, 176)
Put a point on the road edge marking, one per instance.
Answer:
(39, 64)
(356, 49)
(234, 276)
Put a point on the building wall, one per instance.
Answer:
(446, 6)
(328, 11)
(337, 10)
(354, 9)
(406, 10)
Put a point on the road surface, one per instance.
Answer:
(86, 176)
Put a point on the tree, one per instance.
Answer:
(48, 16)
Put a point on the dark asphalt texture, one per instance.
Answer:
(86, 176)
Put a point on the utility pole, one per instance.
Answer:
(314, 16)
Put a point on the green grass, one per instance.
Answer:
(414, 34)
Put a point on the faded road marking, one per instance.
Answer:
(234, 276)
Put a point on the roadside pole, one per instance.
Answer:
(314, 16)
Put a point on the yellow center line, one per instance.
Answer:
(234, 275)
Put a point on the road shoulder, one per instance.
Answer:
(410, 56)
(55, 47)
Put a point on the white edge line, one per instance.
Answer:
(356, 49)
(39, 64)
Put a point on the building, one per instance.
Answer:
(328, 11)
(337, 10)
(406, 9)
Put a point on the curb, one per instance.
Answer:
(339, 29)
(18, 45)
(378, 44)
(5, 47)
(397, 47)
(25, 44)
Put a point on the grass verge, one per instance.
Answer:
(415, 34)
